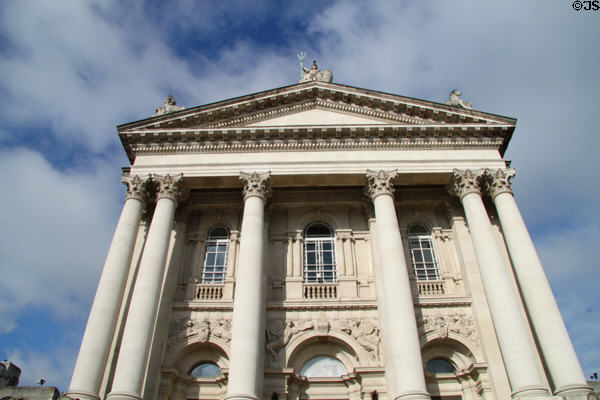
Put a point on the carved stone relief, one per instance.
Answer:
(441, 325)
(279, 334)
(199, 330)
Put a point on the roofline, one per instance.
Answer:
(396, 97)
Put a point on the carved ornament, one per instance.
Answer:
(498, 181)
(380, 182)
(256, 184)
(466, 181)
(456, 101)
(169, 106)
(169, 187)
(198, 331)
(279, 334)
(136, 186)
(440, 326)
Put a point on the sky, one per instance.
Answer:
(70, 71)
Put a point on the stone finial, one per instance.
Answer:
(169, 186)
(314, 73)
(256, 184)
(136, 186)
(169, 106)
(465, 182)
(380, 182)
(498, 181)
(456, 101)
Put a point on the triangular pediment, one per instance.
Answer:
(317, 103)
(317, 111)
(320, 117)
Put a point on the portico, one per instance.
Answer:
(318, 254)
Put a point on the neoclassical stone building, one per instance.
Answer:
(321, 241)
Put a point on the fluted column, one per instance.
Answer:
(550, 330)
(247, 330)
(519, 359)
(139, 327)
(400, 325)
(99, 332)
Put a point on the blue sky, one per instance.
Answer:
(70, 71)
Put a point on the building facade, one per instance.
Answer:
(322, 241)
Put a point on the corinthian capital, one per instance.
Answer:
(169, 186)
(256, 184)
(380, 182)
(136, 186)
(498, 181)
(466, 181)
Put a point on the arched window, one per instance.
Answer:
(319, 254)
(215, 255)
(422, 253)
(440, 366)
(205, 370)
(323, 367)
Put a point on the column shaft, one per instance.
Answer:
(139, 327)
(519, 360)
(404, 346)
(247, 331)
(552, 335)
(99, 332)
(400, 323)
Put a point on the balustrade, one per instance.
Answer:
(209, 292)
(322, 291)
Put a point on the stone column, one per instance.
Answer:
(519, 359)
(247, 331)
(99, 332)
(401, 327)
(139, 327)
(550, 330)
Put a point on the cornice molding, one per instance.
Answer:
(317, 103)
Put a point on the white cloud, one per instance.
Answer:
(80, 68)
(55, 235)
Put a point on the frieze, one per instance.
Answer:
(182, 331)
(279, 333)
(440, 326)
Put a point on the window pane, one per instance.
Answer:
(205, 370)
(438, 365)
(220, 259)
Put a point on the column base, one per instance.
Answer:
(81, 395)
(241, 397)
(574, 392)
(123, 396)
(532, 393)
(413, 396)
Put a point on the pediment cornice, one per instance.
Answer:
(224, 126)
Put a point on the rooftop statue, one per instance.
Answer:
(169, 106)
(314, 73)
(456, 101)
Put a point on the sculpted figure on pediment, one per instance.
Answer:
(169, 106)
(314, 73)
(456, 101)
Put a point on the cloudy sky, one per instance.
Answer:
(70, 71)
